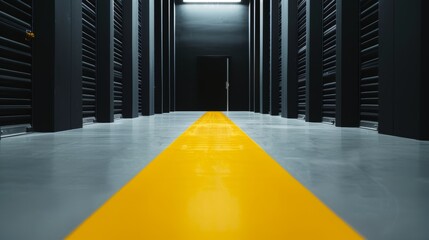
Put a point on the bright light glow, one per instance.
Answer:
(211, 1)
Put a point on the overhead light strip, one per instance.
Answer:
(211, 1)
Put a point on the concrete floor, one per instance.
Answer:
(50, 183)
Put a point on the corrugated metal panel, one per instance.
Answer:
(15, 62)
(89, 57)
(302, 56)
(140, 56)
(369, 58)
(118, 56)
(329, 58)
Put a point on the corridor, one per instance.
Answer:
(182, 175)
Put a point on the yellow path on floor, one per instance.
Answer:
(214, 182)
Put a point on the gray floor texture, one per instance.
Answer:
(51, 182)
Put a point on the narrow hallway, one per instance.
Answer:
(214, 119)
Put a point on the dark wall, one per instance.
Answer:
(148, 79)
(212, 29)
(257, 54)
(57, 65)
(407, 73)
(403, 84)
(289, 45)
(130, 53)
(347, 69)
(424, 108)
(105, 33)
(159, 76)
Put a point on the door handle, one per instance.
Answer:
(226, 85)
(29, 35)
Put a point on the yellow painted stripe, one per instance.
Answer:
(214, 182)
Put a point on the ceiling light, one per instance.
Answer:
(211, 1)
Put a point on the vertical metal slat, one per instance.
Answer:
(280, 56)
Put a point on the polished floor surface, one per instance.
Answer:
(51, 183)
(214, 182)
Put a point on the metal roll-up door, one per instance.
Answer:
(302, 57)
(329, 60)
(89, 58)
(369, 59)
(280, 56)
(118, 57)
(15, 64)
(140, 56)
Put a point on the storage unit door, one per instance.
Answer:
(140, 55)
(118, 51)
(329, 57)
(89, 58)
(15, 62)
(302, 57)
(369, 57)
